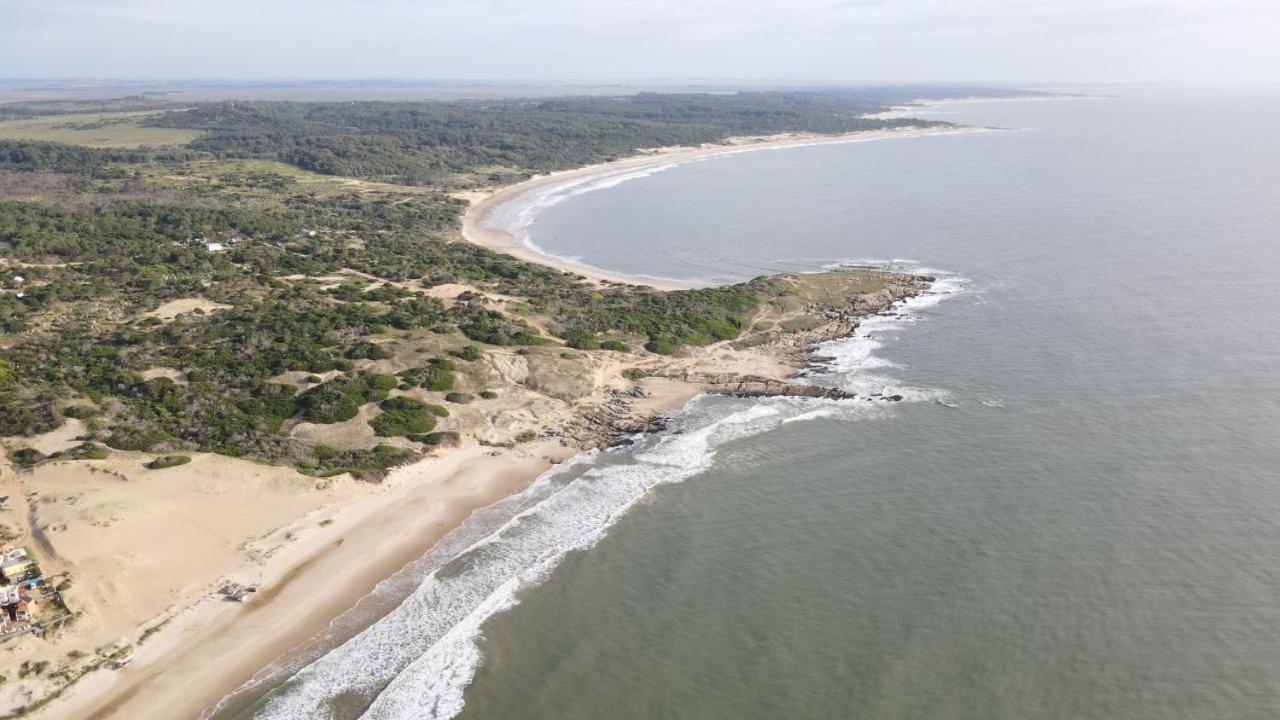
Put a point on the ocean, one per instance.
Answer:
(1074, 514)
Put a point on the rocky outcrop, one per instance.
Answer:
(758, 386)
(610, 422)
(766, 387)
(617, 418)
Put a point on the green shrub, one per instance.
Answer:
(168, 461)
(21, 414)
(446, 438)
(488, 394)
(340, 399)
(137, 441)
(85, 451)
(494, 328)
(580, 340)
(367, 465)
(383, 382)
(436, 375)
(80, 412)
(367, 351)
(615, 346)
(459, 397)
(469, 353)
(437, 380)
(94, 452)
(662, 345)
(403, 416)
(26, 457)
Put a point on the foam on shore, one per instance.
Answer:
(417, 660)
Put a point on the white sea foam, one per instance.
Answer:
(417, 661)
(419, 658)
(852, 362)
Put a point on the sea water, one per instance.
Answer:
(1075, 513)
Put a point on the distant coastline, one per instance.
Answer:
(316, 569)
(915, 107)
(477, 222)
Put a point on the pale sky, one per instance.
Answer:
(1029, 41)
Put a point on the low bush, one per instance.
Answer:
(168, 461)
(469, 353)
(80, 412)
(403, 416)
(340, 398)
(445, 438)
(662, 345)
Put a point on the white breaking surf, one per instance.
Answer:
(417, 661)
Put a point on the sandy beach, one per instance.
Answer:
(148, 585)
(476, 226)
(317, 547)
(336, 545)
(212, 647)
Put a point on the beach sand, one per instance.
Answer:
(476, 227)
(214, 646)
(177, 534)
(316, 547)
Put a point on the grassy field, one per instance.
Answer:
(109, 130)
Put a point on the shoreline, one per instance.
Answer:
(210, 650)
(924, 105)
(484, 203)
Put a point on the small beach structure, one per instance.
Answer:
(15, 565)
(235, 592)
(28, 603)
(120, 663)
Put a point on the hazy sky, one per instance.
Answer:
(815, 40)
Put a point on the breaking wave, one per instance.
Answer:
(852, 364)
(418, 659)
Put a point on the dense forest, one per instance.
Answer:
(93, 241)
(431, 143)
